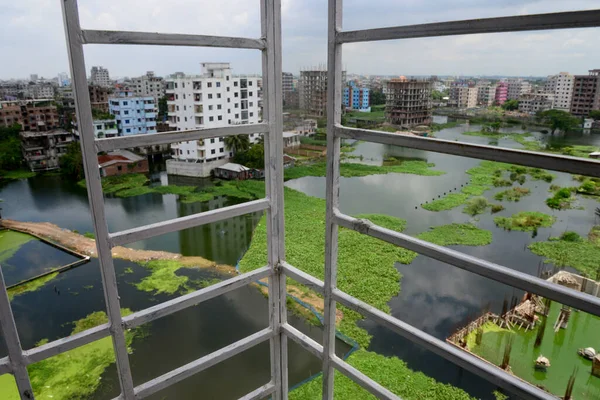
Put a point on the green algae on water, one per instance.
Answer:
(457, 234)
(11, 242)
(525, 221)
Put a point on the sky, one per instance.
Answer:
(33, 41)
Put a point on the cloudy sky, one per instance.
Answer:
(33, 37)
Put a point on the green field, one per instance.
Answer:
(560, 348)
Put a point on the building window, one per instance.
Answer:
(119, 168)
(237, 115)
(251, 104)
(252, 114)
(184, 108)
(211, 118)
(210, 96)
(139, 120)
(186, 118)
(228, 100)
(221, 150)
(177, 108)
(126, 112)
(227, 78)
(182, 84)
(229, 121)
(235, 105)
(220, 118)
(249, 94)
(218, 106)
(235, 83)
(229, 111)
(235, 94)
(126, 121)
(127, 130)
(228, 88)
(218, 84)
(212, 140)
(218, 95)
(221, 139)
(210, 108)
(124, 103)
(209, 84)
(212, 151)
(184, 95)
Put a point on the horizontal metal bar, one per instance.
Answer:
(260, 393)
(183, 372)
(190, 221)
(451, 353)
(573, 165)
(172, 306)
(520, 280)
(535, 22)
(302, 277)
(65, 344)
(5, 365)
(303, 340)
(144, 140)
(367, 383)
(168, 39)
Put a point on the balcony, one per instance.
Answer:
(198, 97)
(151, 115)
(199, 109)
(36, 156)
(149, 106)
(200, 143)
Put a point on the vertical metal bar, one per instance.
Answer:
(334, 115)
(11, 338)
(95, 195)
(272, 113)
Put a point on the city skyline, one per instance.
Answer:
(33, 31)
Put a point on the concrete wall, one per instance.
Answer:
(199, 170)
(139, 167)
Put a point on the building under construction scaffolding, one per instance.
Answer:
(408, 102)
(313, 91)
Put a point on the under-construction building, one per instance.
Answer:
(313, 91)
(408, 102)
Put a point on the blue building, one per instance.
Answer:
(356, 98)
(134, 115)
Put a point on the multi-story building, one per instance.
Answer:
(42, 91)
(100, 77)
(356, 98)
(313, 91)
(586, 93)
(534, 102)
(486, 93)
(290, 93)
(105, 128)
(501, 93)
(149, 85)
(463, 95)
(33, 78)
(215, 98)
(99, 97)
(561, 87)
(43, 149)
(63, 79)
(408, 102)
(31, 116)
(134, 115)
(517, 88)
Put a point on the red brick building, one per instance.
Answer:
(31, 117)
(121, 162)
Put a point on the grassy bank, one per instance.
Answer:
(525, 221)
(16, 174)
(74, 374)
(391, 372)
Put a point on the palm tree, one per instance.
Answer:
(237, 143)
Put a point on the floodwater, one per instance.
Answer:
(436, 297)
(169, 342)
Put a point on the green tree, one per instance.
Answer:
(10, 148)
(559, 120)
(162, 108)
(237, 143)
(71, 164)
(377, 97)
(99, 114)
(437, 95)
(511, 105)
(254, 157)
(595, 115)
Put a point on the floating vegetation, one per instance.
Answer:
(572, 251)
(476, 205)
(11, 242)
(495, 208)
(163, 278)
(525, 221)
(562, 199)
(349, 170)
(30, 286)
(390, 372)
(365, 264)
(457, 234)
(447, 202)
(513, 194)
(74, 374)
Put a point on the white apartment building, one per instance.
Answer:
(99, 76)
(149, 85)
(105, 128)
(42, 91)
(213, 99)
(561, 86)
(463, 96)
(532, 103)
(517, 88)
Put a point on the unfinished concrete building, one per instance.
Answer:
(313, 91)
(408, 102)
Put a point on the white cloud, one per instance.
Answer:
(33, 36)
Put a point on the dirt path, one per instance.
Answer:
(86, 246)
